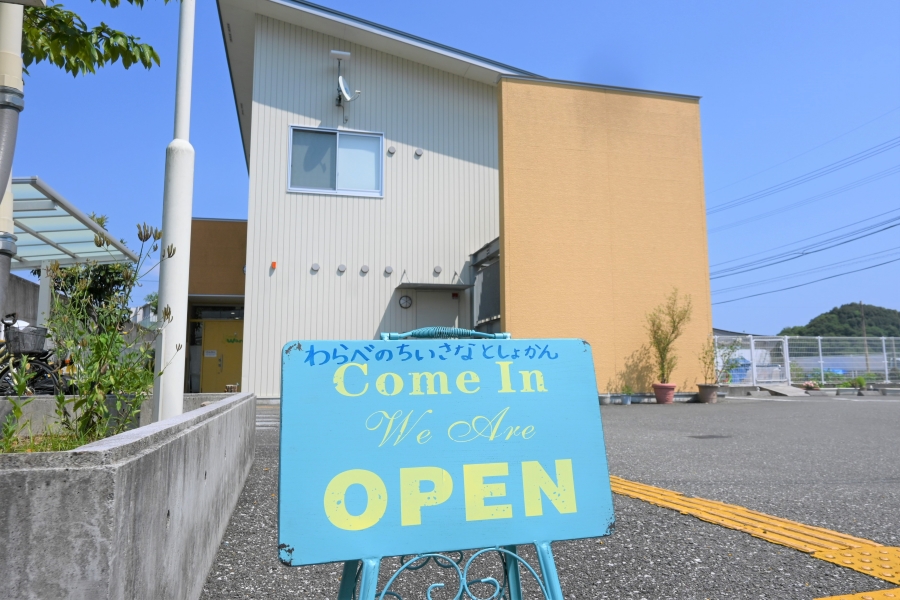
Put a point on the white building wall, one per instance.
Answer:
(436, 210)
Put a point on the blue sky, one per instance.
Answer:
(787, 87)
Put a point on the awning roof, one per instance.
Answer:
(49, 228)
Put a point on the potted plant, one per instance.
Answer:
(665, 324)
(627, 392)
(715, 363)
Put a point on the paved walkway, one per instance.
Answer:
(825, 463)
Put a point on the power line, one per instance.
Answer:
(806, 177)
(810, 200)
(725, 262)
(806, 152)
(807, 283)
(811, 249)
(850, 261)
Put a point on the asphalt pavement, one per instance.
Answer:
(824, 462)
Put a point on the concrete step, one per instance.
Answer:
(782, 390)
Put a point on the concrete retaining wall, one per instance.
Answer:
(40, 411)
(139, 515)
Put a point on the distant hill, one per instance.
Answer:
(846, 320)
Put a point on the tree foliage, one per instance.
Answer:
(62, 38)
(846, 321)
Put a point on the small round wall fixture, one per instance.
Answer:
(419, 152)
(389, 269)
(405, 301)
(438, 270)
(391, 150)
(364, 268)
(342, 268)
(315, 266)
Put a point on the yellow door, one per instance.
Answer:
(223, 343)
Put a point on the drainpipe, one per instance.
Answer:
(176, 223)
(11, 104)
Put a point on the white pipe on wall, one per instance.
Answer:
(176, 224)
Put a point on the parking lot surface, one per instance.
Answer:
(828, 463)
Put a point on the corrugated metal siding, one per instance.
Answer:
(436, 209)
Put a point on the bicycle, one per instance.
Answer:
(27, 344)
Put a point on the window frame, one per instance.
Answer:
(339, 191)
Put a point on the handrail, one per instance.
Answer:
(443, 333)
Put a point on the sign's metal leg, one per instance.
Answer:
(348, 580)
(368, 587)
(548, 568)
(513, 581)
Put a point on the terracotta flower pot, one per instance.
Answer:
(709, 393)
(664, 392)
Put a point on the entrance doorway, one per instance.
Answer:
(437, 309)
(220, 362)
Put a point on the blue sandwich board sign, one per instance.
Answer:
(412, 446)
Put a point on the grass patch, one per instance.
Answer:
(51, 442)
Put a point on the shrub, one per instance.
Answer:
(665, 324)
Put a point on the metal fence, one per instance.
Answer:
(789, 359)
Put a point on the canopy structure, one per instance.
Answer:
(49, 228)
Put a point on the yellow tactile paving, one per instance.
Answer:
(861, 555)
(767, 527)
(879, 595)
(882, 562)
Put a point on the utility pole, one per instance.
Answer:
(865, 341)
(176, 223)
(12, 101)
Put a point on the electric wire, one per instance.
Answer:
(725, 262)
(807, 283)
(808, 250)
(895, 109)
(840, 190)
(842, 263)
(806, 177)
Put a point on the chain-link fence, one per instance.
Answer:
(787, 359)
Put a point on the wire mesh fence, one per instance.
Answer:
(825, 360)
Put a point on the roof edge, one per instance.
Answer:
(598, 86)
(401, 35)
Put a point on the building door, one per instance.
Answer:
(223, 343)
(437, 309)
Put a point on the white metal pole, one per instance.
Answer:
(11, 104)
(44, 295)
(821, 360)
(787, 360)
(753, 360)
(176, 223)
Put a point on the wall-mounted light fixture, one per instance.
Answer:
(315, 266)
(364, 268)
(342, 268)
(419, 152)
(389, 269)
(391, 150)
(274, 264)
(438, 270)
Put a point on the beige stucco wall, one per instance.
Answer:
(601, 215)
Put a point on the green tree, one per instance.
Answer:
(59, 36)
(846, 321)
(153, 300)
